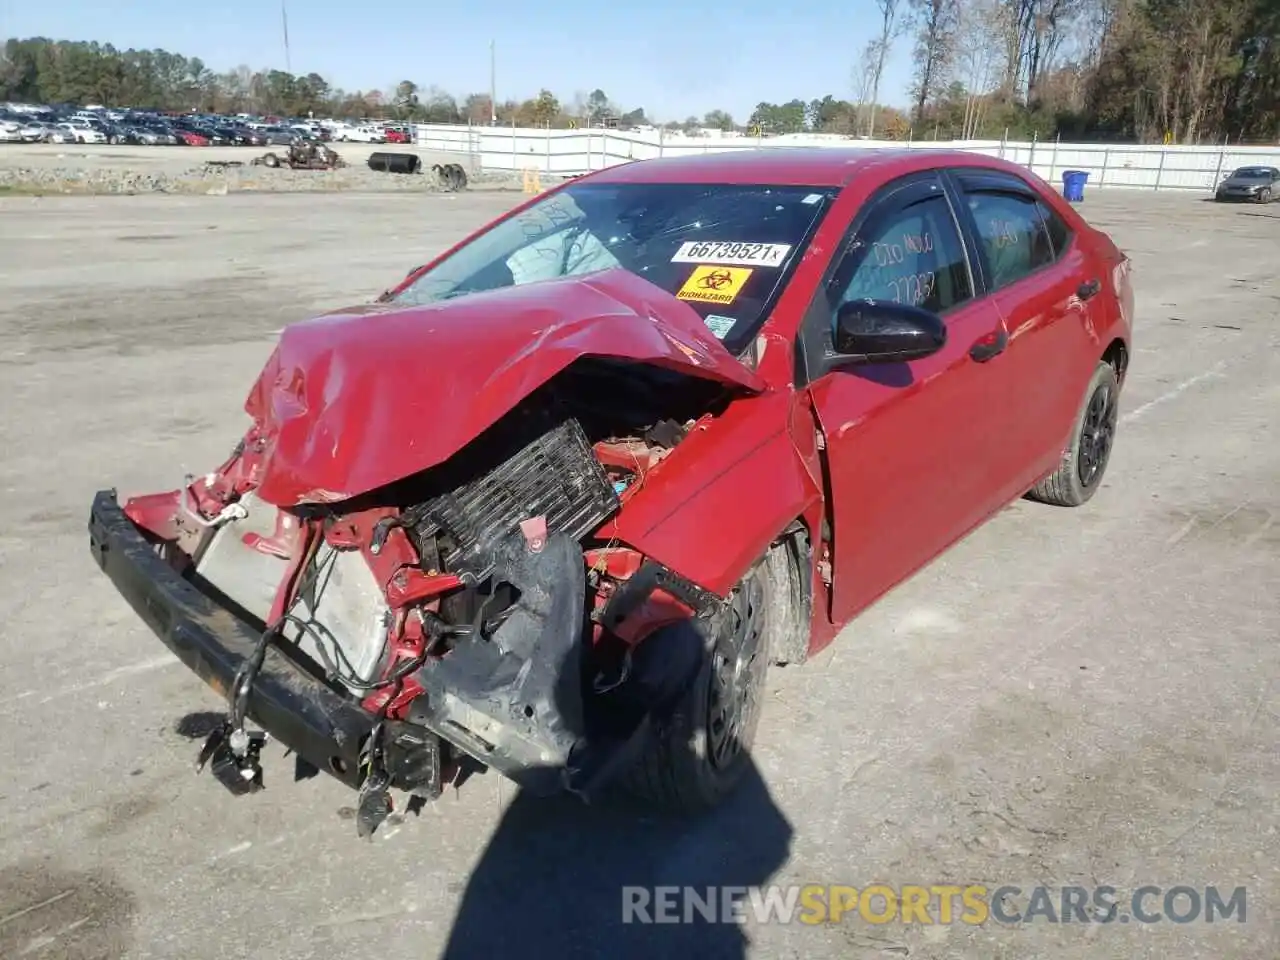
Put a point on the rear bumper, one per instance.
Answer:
(321, 726)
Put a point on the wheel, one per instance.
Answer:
(1264, 195)
(1085, 461)
(697, 756)
(271, 160)
(113, 140)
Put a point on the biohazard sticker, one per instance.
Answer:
(741, 254)
(710, 284)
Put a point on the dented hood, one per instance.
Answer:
(352, 401)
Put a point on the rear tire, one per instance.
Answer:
(699, 755)
(1085, 461)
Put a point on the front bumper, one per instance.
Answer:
(318, 724)
(503, 702)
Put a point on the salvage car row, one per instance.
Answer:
(46, 125)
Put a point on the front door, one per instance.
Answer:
(906, 443)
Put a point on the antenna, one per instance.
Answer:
(284, 20)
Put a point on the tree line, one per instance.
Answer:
(1184, 71)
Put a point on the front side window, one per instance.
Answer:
(910, 254)
(726, 250)
(1012, 235)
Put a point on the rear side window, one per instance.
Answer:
(1012, 234)
(1059, 232)
(910, 254)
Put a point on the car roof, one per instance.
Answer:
(793, 166)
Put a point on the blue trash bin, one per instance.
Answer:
(1073, 182)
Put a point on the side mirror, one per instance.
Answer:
(881, 331)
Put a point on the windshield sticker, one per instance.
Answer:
(718, 325)
(714, 284)
(743, 254)
(812, 198)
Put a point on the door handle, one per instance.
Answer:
(991, 345)
(1088, 289)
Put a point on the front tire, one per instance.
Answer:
(700, 754)
(1085, 461)
(1264, 195)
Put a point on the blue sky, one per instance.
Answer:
(672, 58)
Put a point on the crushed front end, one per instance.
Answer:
(474, 615)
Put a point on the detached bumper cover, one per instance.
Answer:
(318, 724)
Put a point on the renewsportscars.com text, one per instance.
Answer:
(973, 904)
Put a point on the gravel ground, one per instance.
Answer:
(1066, 697)
(46, 169)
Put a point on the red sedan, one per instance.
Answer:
(597, 466)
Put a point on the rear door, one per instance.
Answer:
(906, 443)
(1044, 283)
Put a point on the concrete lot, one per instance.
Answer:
(1069, 697)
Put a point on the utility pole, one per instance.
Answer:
(493, 85)
(284, 20)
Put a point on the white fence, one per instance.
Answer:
(568, 153)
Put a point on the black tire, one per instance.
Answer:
(271, 160)
(701, 752)
(1084, 463)
(1264, 195)
(388, 162)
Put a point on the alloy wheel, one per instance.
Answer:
(1098, 433)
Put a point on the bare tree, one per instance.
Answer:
(889, 30)
(1050, 22)
(864, 80)
(936, 22)
(1205, 43)
(981, 61)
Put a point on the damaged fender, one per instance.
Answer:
(710, 524)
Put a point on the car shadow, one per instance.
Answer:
(554, 879)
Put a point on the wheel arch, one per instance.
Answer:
(713, 531)
(1117, 354)
(789, 570)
